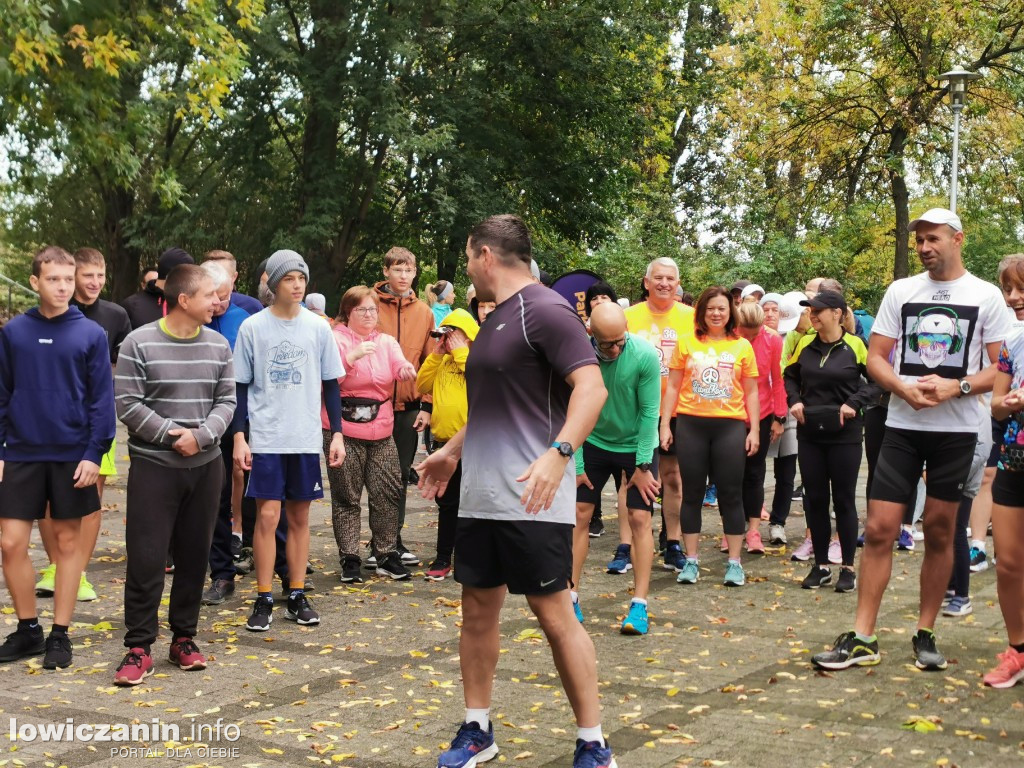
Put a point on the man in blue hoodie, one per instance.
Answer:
(56, 422)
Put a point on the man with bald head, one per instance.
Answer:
(623, 441)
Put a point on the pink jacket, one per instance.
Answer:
(372, 376)
(771, 391)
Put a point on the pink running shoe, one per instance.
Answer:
(835, 552)
(1009, 671)
(804, 552)
(754, 544)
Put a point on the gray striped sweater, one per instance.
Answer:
(164, 383)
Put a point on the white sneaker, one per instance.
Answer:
(917, 533)
(777, 534)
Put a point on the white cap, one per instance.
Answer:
(790, 310)
(770, 298)
(938, 216)
(534, 269)
(751, 290)
(624, 302)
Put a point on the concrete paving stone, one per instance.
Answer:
(722, 678)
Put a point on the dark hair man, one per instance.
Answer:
(534, 392)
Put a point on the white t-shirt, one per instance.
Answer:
(941, 328)
(285, 363)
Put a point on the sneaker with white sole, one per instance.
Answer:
(262, 615)
(1008, 672)
(804, 552)
(471, 746)
(979, 562)
(777, 534)
(958, 606)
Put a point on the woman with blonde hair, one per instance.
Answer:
(441, 297)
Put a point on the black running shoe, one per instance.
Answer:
(22, 643)
(847, 581)
(262, 615)
(927, 655)
(236, 547)
(350, 571)
(391, 565)
(818, 577)
(58, 652)
(300, 611)
(219, 591)
(596, 527)
(848, 651)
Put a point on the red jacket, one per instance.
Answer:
(771, 390)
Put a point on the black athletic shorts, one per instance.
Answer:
(28, 486)
(998, 431)
(1008, 489)
(672, 449)
(906, 452)
(530, 557)
(599, 465)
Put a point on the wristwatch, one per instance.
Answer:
(645, 467)
(565, 450)
(780, 419)
(965, 387)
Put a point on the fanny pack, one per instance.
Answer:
(360, 410)
(822, 419)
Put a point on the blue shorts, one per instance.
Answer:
(288, 476)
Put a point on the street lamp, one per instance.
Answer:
(957, 79)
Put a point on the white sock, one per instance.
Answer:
(575, 595)
(591, 734)
(978, 544)
(639, 600)
(479, 716)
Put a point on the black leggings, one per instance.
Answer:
(711, 448)
(785, 484)
(753, 473)
(833, 468)
(960, 582)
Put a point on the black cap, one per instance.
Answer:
(826, 300)
(739, 285)
(170, 259)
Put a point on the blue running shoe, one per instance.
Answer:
(905, 543)
(674, 558)
(577, 610)
(470, 747)
(590, 754)
(635, 622)
(622, 561)
(711, 496)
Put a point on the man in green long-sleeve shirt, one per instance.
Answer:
(622, 444)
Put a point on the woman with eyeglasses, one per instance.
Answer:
(712, 393)
(373, 363)
(827, 389)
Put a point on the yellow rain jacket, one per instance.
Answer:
(444, 376)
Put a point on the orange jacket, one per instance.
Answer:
(410, 322)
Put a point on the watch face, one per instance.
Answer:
(965, 387)
(565, 449)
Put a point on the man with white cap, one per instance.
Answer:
(754, 292)
(943, 328)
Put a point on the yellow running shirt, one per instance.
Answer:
(662, 331)
(713, 374)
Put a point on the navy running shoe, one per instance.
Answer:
(590, 754)
(471, 746)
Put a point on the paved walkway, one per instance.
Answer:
(723, 677)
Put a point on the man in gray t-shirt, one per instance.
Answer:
(535, 392)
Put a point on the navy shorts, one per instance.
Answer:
(28, 486)
(288, 476)
(530, 557)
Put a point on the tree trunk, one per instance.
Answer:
(900, 199)
(122, 259)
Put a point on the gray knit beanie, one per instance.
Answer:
(281, 263)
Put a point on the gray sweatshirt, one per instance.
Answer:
(163, 383)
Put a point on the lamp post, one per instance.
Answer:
(957, 79)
